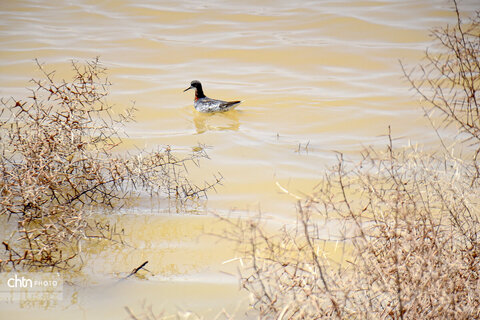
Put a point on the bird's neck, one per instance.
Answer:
(199, 93)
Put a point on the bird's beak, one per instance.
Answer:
(188, 88)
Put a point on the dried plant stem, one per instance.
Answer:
(58, 162)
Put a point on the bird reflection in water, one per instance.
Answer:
(216, 121)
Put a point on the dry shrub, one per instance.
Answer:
(449, 80)
(58, 160)
(408, 232)
(407, 222)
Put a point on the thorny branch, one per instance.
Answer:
(409, 221)
(57, 163)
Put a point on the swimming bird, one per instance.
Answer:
(204, 104)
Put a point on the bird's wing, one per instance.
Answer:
(214, 105)
(226, 105)
(231, 103)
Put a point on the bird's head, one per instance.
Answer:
(195, 84)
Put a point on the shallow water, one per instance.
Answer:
(316, 77)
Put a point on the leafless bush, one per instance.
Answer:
(407, 223)
(57, 161)
(449, 80)
(408, 244)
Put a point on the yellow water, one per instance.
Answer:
(315, 77)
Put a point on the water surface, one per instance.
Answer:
(316, 77)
